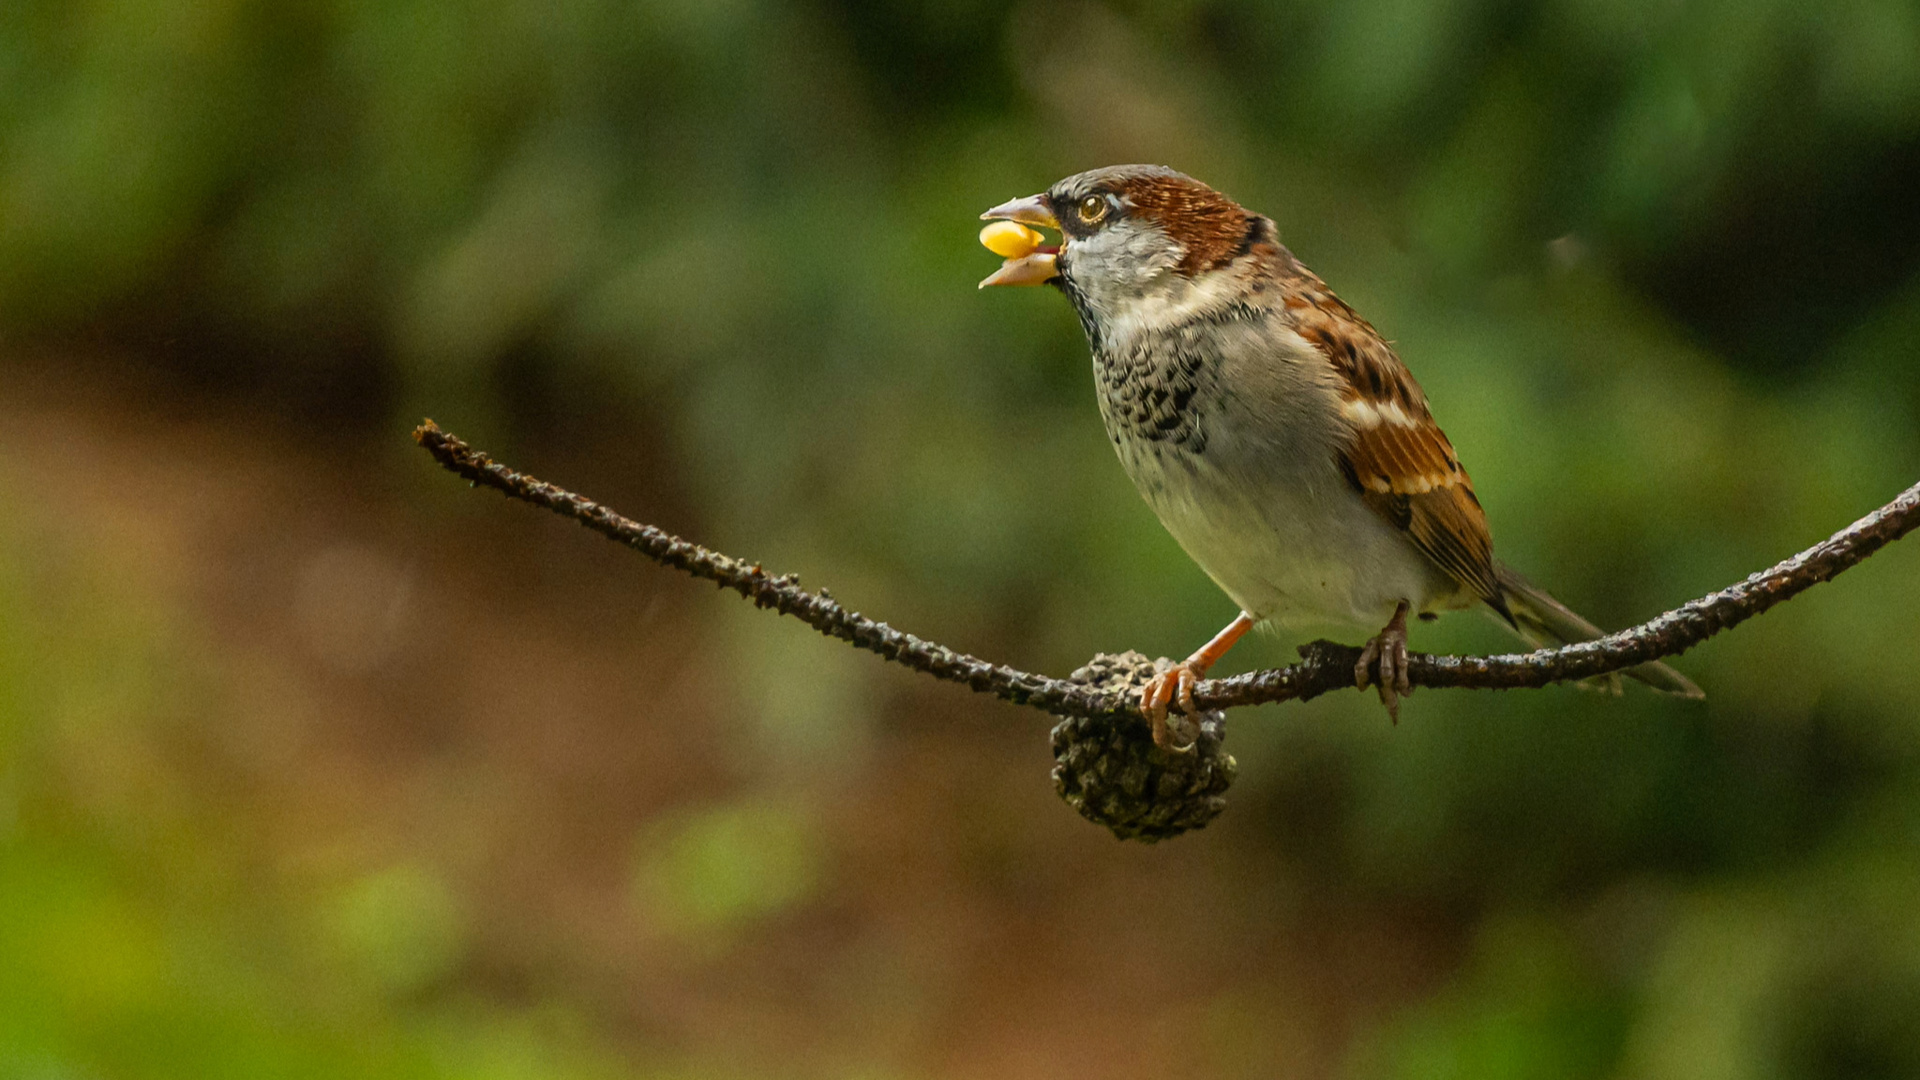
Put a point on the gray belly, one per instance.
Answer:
(1280, 530)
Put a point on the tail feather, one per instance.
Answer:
(1544, 622)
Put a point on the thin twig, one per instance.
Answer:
(1325, 665)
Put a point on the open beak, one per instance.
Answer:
(1031, 210)
(1036, 267)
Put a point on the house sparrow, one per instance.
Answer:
(1273, 431)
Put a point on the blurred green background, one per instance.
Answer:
(315, 763)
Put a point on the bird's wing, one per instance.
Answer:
(1397, 457)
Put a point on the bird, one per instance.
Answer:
(1275, 433)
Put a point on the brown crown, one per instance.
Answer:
(1212, 228)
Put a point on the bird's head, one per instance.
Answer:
(1133, 238)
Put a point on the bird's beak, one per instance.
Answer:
(1031, 210)
(1036, 267)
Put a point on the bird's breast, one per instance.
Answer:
(1157, 393)
(1232, 443)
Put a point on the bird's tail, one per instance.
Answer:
(1544, 622)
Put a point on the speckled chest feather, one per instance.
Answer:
(1157, 391)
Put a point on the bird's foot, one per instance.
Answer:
(1177, 682)
(1159, 694)
(1388, 650)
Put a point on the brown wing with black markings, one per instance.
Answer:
(1399, 459)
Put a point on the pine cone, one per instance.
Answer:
(1108, 768)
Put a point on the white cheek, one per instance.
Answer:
(1118, 263)
(1126, 274)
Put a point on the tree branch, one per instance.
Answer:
(1324, 666)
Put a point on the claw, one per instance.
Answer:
(1177, 682)
(1388, 650)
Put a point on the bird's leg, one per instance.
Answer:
(1389, 648)
(1178, 681)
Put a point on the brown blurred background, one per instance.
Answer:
(314, 762)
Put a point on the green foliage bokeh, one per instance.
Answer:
(1657, 264)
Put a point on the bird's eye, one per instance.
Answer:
(1092, 209)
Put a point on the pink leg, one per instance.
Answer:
(1178, 681)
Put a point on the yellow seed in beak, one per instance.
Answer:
(1010, 239)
